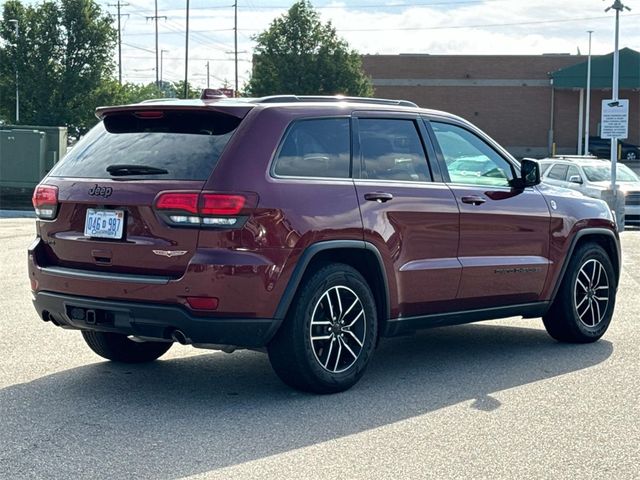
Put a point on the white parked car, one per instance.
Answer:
(591, 177)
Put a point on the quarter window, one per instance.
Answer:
(469, 159)
(391, 149)
(558, 172)
(316, 148)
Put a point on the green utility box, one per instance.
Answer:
(27, 153)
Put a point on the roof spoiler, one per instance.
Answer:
(235, 110)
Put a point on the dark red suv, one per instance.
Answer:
(311, 226)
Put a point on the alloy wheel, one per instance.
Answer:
(591, 293)
(338, 329)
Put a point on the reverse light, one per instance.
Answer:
(45, 201)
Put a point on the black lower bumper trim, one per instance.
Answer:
(151, 320)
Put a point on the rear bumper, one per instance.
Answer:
(151, 320)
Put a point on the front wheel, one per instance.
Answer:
(329, 334)
(583, 307)
(119, 348)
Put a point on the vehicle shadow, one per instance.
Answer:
(180, 417)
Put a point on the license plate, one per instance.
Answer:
(104, 223)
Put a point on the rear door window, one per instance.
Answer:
(573, 172)
(185, 145)
(391, 149)
(316, 148)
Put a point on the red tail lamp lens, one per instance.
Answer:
(221, 204)
(203, 303)
(45, 201)
(186, 202)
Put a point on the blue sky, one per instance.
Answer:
(370, 26)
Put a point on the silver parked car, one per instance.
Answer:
(591, 177)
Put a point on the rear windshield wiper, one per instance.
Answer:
(123, 170)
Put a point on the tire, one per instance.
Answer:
(631, 155)
(119, 348)
(335, 306)
(584, 304)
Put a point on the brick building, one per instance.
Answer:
(525, 102)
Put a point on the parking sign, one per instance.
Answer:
(614, 122)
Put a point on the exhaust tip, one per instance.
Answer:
(180, 337)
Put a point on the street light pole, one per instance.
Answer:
(588, 109)
(17, 27)
(618, 7)
(616, 201)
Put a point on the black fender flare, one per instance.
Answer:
(580, 234)
(303, 263)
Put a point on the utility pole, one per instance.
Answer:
(156, 18)
(207, 73)
(161, 64)
(118, 6)
(17, 27)
(235, 43)
(186, 56)
(588, 109)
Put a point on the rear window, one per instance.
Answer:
(185, 145)
(316, 148)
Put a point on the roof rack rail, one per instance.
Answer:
(335, 98)
(156, 100)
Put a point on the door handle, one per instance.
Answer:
(473, 200)
(379, 197)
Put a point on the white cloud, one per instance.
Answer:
(418, 29)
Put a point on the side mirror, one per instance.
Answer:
(529, 174)
(576, 179)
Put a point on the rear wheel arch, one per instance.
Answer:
(362, 256)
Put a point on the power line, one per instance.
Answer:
(485, 25)
(137, 47)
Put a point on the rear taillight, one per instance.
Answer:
(45, 201)
(202, 209)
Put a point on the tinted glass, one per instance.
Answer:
(602, 173)
(469, 159)
(558, 172)
(316, 148)
(573, 171)
(392, 150)
(185, 144)
(544, 167)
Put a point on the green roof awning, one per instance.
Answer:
(575, 76)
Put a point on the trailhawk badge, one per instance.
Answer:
(170, 253)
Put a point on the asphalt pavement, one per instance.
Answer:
(497, 399)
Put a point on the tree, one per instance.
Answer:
(64, 55)
(298, 54)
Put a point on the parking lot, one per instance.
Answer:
(498, 399)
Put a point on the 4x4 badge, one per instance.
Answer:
(170, 253)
